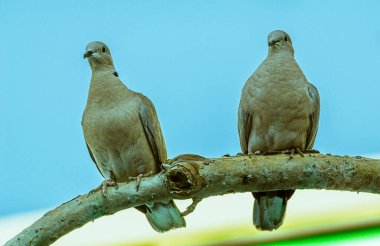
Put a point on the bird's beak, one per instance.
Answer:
(273, 42)
(88, 54)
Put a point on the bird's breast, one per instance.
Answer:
(277, 94)
(117, 139)
(110, 125)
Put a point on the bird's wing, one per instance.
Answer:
(93, 158)
(314, 116)
(244, 125)
(152, 129)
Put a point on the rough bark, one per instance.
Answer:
(200, 178)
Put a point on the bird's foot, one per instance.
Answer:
(268, 152)
(258, 152)
(103, 187)
(250, 154)
(192, 206)
(139, 177)
(297, 150)
(105, 184)
(291, 152)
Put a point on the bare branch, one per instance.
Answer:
(202, 178)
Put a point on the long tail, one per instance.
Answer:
(269, 209)
(164, 216)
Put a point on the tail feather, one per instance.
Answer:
(164, 216)
(269, 209)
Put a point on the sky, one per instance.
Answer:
(191, 58)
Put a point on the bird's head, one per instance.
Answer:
(279, 40)
(98, 55)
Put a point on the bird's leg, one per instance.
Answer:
(139, 177)
(298, 151)
(292, 152)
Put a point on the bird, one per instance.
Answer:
(123, 134)
(278, 113)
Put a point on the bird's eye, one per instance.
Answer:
(103, 49)
(286, 39)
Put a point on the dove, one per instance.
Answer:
(278, 113)
(123, 134)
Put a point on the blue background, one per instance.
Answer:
(191, 58)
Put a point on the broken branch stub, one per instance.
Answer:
(183, 179)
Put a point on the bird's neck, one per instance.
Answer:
(283, 51)
(96, 67)
(104, 85)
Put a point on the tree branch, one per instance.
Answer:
(201, 178)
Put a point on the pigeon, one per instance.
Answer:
(278, 113)
(123, 134)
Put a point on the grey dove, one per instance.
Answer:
(123, 134)
(278, 113)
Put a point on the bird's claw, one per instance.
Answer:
(291, 152)
(297, 150)
(249, 154)
(105, 184)
(192, 206)
(139, 177)
(103, 187)
(268, 152)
